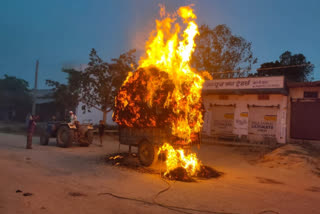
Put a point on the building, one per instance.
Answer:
(303, 112)
(94, 116)
(246, 109)
(8, 112)
(45, 106)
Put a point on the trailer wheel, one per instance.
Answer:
(147, 153)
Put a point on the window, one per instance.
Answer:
(263, 97)
(310, 94)
(223, 97)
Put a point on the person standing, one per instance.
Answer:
(101, 128)
(31, 127)
(27, 119)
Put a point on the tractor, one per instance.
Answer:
(67, 133)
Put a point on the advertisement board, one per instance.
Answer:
(222, 119)
(263, 121)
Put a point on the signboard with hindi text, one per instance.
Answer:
(245, 83)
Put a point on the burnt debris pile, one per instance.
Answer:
(180, 174)
(131, 161)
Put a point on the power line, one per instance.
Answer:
(288, 66)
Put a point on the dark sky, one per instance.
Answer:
(61, 33)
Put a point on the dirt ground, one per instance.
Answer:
(78, 180)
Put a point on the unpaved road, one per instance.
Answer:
(71, 180)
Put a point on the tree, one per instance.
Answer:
(294, 67)
(102, 80)
(15, 96)
(67, 96)
(221, 53)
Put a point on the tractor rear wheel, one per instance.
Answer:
(147, 153)
(65, 137)
(44, 138)
(89, 136)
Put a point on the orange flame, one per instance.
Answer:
(168, 53)
(173, 88)
(177, 158)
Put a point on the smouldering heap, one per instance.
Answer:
(165, 91)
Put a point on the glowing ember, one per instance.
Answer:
(115, 157)
(165, 91)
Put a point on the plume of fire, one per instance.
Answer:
(165, 91)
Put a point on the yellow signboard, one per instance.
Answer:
(270, 117)
(244, 114)
(229, 116)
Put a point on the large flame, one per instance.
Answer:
(165, 91)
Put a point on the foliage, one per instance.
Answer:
(15, 94)
(95, 87)
(289, 69)
(221, 53)
(11, 83)
(102, 80)
(66, 96)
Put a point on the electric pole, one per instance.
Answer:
(35, 89)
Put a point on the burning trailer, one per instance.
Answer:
(159, 106)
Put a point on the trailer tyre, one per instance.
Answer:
(147, 153)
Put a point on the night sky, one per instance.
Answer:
(61, 33)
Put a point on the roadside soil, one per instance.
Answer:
(78, 180)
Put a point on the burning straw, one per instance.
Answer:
(165, 91)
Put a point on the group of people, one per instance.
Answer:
(31, 123)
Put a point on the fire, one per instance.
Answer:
(165, 91)
(177, 158)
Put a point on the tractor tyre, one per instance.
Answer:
(89, 138)
(44, 138)
(65, 137)
(147, 153)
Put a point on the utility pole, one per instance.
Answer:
(35, 89)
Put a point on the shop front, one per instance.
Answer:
(245, 110)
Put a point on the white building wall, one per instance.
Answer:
(241, 110)
(94, 116)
